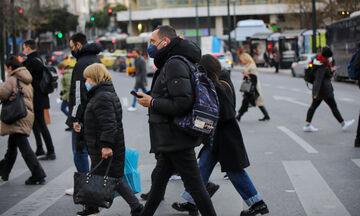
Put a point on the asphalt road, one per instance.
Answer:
(296, 173)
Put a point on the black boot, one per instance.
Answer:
(35, 181)
(137, 211)
(357, 142)
(211, 188)
(48, 157)
(266, 115)
(257, 208)
(89, 211)
(39, 151)
(182, 207)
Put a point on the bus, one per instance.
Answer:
(343, 36)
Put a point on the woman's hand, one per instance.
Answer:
(77, 127)
(145, 100)
(106, 152)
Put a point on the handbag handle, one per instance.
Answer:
(97, 166)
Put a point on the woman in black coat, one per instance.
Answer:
(228, 147)
(104, 134)
(323, 90)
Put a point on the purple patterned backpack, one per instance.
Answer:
(203, 118)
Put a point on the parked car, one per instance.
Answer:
(298, 68)
(225, 63)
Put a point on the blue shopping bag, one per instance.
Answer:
(131, 175)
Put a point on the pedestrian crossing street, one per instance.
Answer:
(312, 190)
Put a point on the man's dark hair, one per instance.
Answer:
(166, 31)
(13, 62)
(31, 43)
(78, 37)
(137, 51)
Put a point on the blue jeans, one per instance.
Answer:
(240, 180)
(65, 107)
(136, 90)
(81, 159)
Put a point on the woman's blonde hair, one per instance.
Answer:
(247, 59)
(98, 73)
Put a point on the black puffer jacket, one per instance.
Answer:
(77, 97)
(103, 128)
(177, 101)
(35, 67)
(322, 87)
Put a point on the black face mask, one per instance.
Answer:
(73, 53)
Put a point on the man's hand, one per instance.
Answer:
(106, 152)
(77, 127)
(145, 100)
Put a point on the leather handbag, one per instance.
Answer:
(245, 86)
(15, 109)
(95, 190)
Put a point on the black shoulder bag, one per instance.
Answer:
(16, 109)
(95, 190)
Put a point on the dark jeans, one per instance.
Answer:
(65, 107)
(330, 102)
(185, 163)
(81, 159)
(239, 179)
(20, 141)
(40, 129)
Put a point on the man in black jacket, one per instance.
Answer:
(172, 95)
(35, 66)
(85, 54)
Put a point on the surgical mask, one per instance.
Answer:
(152, 50)
(89, 86)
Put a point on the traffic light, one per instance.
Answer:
(60, 35)
(21, 11)
(92, 19)
(110, 11)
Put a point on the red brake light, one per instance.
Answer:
(52, 57)
(122, 61)
(216, 54)
(97, 41)
(113, 41)
(130, 55)
(58, 53)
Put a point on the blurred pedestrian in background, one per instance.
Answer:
(255, 96)
(66, 73)
(140, 76)
(19, 130)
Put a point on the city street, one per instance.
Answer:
(296, 173)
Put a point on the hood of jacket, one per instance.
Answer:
(88, 49)
(189, 49)
(103, 86)
(22, 74)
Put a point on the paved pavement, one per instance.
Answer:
(297, 173)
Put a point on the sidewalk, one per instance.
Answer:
(264, 70)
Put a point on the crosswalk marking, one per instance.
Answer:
(298, 140)
(313, 192)
(14, 174)
(47, 195)
(357, 162)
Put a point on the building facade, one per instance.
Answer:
(181, 14)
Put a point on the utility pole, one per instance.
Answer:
(208, 18)
(235, 24)
(130, 21)
(12, 6)
(314, 26)
(197, 21)
(300, 13)
(229, 24)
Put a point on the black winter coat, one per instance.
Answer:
(322, 87)
(228, 146)
(103, 128)
(36, 67)
(165, 136)
(77, 97)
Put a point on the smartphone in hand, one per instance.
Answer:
(135, 94)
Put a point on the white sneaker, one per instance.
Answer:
(347, 124)
(174, 178)
(310, 128)
(69, 191)
(131, 109)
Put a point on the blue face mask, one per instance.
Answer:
(88, 86)
(152, 50)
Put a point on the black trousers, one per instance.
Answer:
(20, 141)
(358, 129)
(245, 107)
(330, 102)
(40, 129)
(186, 164)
